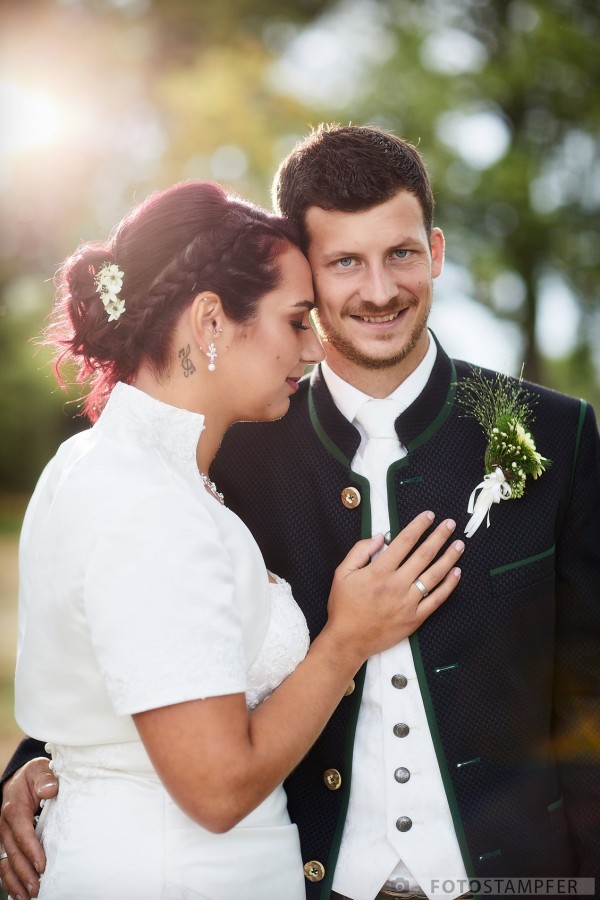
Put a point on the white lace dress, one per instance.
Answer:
(139, 590)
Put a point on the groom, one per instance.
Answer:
(471, 750)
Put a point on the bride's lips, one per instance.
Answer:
(292, 383)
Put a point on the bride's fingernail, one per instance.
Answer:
(450, 524)
(459, 545)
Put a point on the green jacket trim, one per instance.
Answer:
(523, 562)
(359, 681)
(437, 743)
(421, 439)
(582, 413)
(359, 678)
(334, 450)
(441, 416)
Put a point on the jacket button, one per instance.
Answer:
(332, 779)
(350, 689)
(399, 681)
(402, 775)
(350, 497)
(401, 729)
(403, 824)
(314, 870)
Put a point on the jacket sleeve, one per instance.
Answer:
(576, 725)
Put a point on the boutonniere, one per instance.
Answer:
(504, 409)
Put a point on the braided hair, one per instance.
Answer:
(189, 238)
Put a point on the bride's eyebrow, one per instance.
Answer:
(304, 304)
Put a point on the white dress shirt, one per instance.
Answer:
(373, 851)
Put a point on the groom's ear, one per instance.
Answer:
(436, 245)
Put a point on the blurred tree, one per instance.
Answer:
(116, 98)
(106, 102)
(30, 401)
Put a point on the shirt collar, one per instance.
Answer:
(349, 399)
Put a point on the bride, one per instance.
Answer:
(169, 672)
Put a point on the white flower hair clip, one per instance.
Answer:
(109, 282)
(504, 409)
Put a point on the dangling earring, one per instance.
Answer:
(212, 355)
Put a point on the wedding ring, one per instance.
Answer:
(421, 587)
(3, 855)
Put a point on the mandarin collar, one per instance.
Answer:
(156, 424)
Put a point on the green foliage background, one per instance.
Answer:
(155, 91)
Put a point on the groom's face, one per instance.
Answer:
(373, 272)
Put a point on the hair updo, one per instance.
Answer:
(189, 238)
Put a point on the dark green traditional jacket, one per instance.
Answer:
(509, 667)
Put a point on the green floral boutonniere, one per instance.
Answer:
(503, 408)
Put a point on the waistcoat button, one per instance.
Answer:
(401, 729)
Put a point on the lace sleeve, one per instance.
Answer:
(285, 645)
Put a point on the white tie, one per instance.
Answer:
(377, 417)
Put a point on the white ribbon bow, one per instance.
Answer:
(494, 488)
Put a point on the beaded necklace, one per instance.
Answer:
(212, 488)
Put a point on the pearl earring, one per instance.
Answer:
(212, 355)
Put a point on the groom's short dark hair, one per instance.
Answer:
(350, 168)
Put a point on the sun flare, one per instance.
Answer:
(31, 118)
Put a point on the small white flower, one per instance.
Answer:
(109, 282)
(108, 296)
(110, 276)
(115, 309)
(524, 437)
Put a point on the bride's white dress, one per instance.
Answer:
(101, 637)
(112, 810)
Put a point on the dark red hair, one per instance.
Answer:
(189, 238)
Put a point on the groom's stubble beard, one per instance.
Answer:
(349, 351)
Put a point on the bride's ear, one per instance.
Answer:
(206, 318)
